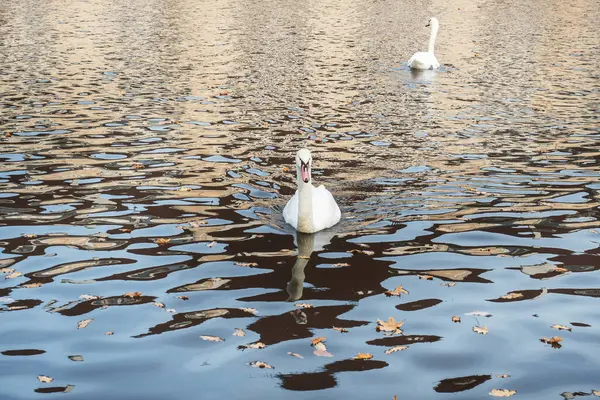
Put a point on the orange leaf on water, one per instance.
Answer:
(396, 292)
(133, 295)
(162, 241)
(363, 356)
(318, 340)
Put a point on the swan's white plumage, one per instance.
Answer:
(320, 209)
(426, 59)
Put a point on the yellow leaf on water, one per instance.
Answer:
(363, 356)
(396, 292)
(343, 330)
(212, 338)
(84, 323)
(502, 392)
(389, 326)
(483, 330)
(561, 327)
(260, 364)
(395, 349)
(45, 379)
(455, 319)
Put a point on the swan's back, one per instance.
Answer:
(423, 60)
(326, 212)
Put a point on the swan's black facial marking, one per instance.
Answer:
(305, 170)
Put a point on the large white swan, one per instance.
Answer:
(426, 59)
(311, 209)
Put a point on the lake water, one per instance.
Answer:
(148, 146)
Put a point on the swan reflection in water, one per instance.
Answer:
(307, 244)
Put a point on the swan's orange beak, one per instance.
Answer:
(304, 171)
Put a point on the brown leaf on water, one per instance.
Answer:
(503, 376)
(295, 354)
(133, 295)
(32, 285)
(395, 349)
(286, 169)
(341, 265)
(212, 338)
(363, 356)
(455, 319)
(396, 292)
(162, 241)
(159, 304)
(109, 333)
(389, 326)
(304, 305)
(425, 277)
(260, 364)
(239, 332)
(137, 165)
(514, 295)
(84, 323)
(553, 341)
(448, 284)
(343, 330)
(483, 330)
(561, 327)
(248, 264)
(211, 244)
(502, 392)
(183, 297)
(317, 340)
(7, 134)
(45, 379)
(13, 275)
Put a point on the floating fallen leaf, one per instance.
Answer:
(554, 341)
(133, 295)
(449, 284)
(109, 333)
(260, 364)
(249, 310)
(212, 338)
(32, 285)
(78, 358)
(211, 244)
(503, 376)
(479, 314)
(395, 349)
(341, 265)
(13, 275)
(239, 332)
(162, 241)
(304, 305)
(317, 340)
(560, 269)
(389, 326)
(513, 295)
(396, 292)
(7, 134)
(286, 169)
(243, 264)
(125, 230)
(295, 354)
(561, 327)
(483, 330)
(88, 297)
(425, 277)
(183, 297)
(138, 165)
(45, 379)
(363, 356)
(84, 323)
(159, 304)
(343, 330)
(502, 392)
(455, 319)
(257, 345)
(7, 270)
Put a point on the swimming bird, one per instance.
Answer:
(426, 59)
(311, 209)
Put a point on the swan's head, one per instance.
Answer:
(303, 164)
(433, 22)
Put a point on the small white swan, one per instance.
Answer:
(426, 59)
(311, 209)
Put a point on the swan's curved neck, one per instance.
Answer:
(434, 30)
(305, 207)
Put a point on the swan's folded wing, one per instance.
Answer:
(290, 212)
(326, 212)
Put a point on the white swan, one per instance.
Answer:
(426, 59)
(311, 209)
